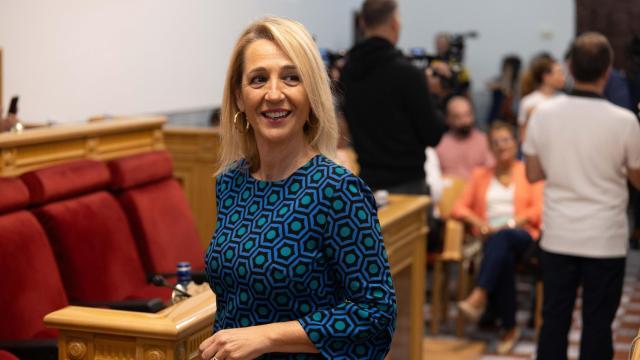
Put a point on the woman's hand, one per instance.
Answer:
(235, 344)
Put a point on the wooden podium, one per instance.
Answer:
(103, 334)
(404, 229)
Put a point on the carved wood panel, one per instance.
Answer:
(616, 19)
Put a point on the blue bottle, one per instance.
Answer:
(183, 273)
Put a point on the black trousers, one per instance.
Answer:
(601, 280)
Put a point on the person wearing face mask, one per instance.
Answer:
(463, 147)
(502, 206)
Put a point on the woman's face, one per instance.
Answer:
(503, 145)
(272, 94)
(555, 77)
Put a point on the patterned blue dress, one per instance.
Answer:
(306, 248)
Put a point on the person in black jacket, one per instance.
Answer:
(387, 105)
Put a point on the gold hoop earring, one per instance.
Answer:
(235, 122)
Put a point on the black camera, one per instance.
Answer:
(450, 81)
(456, 46)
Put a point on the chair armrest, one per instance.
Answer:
(454, 233)
(37, 349)
(144, 305)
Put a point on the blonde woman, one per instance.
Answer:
(297, 260)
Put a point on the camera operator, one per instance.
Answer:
(441, 83)
(450, 51)
(387, 105)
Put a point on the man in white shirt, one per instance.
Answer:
(585, 148)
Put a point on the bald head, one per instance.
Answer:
(378, 12)
(380, 18)
(590, 57)
(460, 116)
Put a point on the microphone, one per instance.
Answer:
(159, 280)
(199, 277)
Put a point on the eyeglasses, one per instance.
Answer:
(501, 141)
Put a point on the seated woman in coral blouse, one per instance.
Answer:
(503, 207)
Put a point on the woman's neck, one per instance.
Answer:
(547, 90)
(503, 168)
(278, 161)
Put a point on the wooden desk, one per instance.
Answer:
(194, 152)
(404, 229)
(42, 147)
(102, 334)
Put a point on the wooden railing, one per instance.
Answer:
(42, 147)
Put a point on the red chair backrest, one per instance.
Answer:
(88, 231)
(158, 211)
(31, 286)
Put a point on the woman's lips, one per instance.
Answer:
(275, 116)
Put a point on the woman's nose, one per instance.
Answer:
(274, 91)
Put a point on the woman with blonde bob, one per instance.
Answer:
(297, 261)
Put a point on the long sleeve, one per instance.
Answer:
(533, 212)
(421, 110)
(362, 326)
(465, 205)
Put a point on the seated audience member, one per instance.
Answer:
(503, 207)
(463, 147)
(542, 81)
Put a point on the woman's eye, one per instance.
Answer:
(257, 80)
(291, 79)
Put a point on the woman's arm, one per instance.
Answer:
(532, 215)
(463, 209)
(363, 324)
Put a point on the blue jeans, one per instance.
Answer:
(497, 275)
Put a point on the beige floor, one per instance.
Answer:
(447, 349)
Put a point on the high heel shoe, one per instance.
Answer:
(469, 311)
(507, 343)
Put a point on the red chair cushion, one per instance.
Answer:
(66, 180)
(163, 226)
(13, 195)
(94, 247)
(31, 285)
(140, 169)
(5, 355)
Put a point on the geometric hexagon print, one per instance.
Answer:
(306, 248)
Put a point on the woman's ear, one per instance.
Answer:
(239, 101)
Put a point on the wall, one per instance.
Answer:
(70, 59)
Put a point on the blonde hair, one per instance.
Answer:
(321, 131)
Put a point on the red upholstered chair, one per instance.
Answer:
(158, 211)
(4, 355)
(89, 233)
(31, 285)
